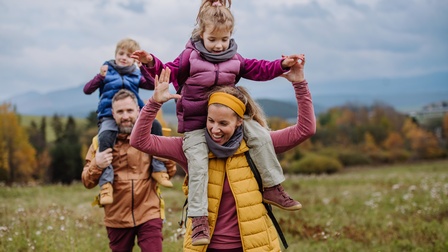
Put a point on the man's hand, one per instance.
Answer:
(103, 159)
(103, 70)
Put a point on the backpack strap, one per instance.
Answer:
(268, 207)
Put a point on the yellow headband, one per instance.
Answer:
(228, 100)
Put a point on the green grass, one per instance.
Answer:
(394, 208)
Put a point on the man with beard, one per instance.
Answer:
(136, 210)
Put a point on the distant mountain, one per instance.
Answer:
(405, 95)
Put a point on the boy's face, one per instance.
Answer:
(123, 58)
(216, 41)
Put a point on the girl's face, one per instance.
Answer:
(216, 41)
(222, 123)
(123, 58)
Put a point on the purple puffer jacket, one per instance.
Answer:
(203, 75)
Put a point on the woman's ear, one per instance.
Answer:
(239, 121)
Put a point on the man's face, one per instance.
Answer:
(125, 112)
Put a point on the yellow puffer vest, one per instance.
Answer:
(256, 228)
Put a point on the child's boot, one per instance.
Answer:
(277, 196)
(200, 231)
(162, 178)
(106, 194)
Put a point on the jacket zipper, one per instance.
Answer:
(216, 74)
(132, 202)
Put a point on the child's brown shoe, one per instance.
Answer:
(277, 196)
(162, 178)
(106, 194)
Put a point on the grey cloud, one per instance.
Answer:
(134, 6)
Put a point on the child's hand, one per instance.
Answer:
(103, 70)
(289, 61)
(142, 56)
(296, 73)
(161, 87)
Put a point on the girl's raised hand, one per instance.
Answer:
(295, 74)
(291, 60)
(142, 56)
(161, 90)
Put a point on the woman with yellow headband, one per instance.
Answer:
(211, 58)
(237, 219)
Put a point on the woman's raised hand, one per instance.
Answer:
(161, 87)
(296, 73)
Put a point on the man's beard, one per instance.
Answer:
(125, 129)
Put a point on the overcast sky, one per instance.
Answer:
(48, 45)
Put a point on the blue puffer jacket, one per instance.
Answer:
(112, 83)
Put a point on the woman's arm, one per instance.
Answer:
(161, 146)
(290, 137)
(305, 127)
(141, 137)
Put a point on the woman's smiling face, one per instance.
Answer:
(222, 123)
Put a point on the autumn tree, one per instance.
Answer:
(17, 156)
(393, 141)
(423, 143)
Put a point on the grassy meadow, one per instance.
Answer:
(395, 208)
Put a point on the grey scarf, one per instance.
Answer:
(227, 149)
(216, 57)
(122, 70)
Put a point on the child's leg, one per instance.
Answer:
(196, 151)
(263, 154)
(106, 139)
(107, 176)
(159, 173)
(158, 166)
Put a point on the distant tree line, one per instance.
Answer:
(357, 135)
(348, 135)
(26, 155)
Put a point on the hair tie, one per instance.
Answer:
(217, 4)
